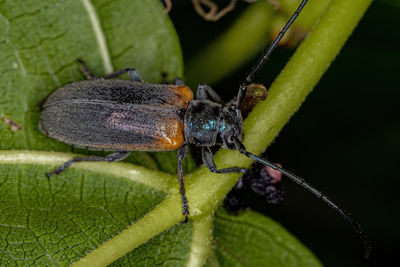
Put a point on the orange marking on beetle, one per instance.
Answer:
(184, 92)
(168, 136)
(174, 137)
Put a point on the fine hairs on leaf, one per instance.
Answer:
(95, 214)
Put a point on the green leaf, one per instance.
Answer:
(60, 220)
(95, 214)
(241, 241)
(170, 248)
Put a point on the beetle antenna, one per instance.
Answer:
(266, 54)
(347, 217)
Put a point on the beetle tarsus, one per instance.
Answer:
(185, 208)
(116, 156)
(60, 169)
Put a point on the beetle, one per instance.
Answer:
(125, 115)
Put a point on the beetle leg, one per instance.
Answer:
(208, 160)
(133, 74)
(85, 70)
(119, 155)
(203, 90)
(182, 152)
(178, 81)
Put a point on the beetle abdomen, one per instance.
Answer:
(116, 115)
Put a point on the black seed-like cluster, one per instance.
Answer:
(255, 180)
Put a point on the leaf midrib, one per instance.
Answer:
(99, 34)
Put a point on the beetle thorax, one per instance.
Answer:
(208, 123)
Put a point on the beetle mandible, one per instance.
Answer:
(126, 115)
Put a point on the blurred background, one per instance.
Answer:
(344, 139)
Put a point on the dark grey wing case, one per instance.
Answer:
(111, 114)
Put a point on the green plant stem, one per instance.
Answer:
(201, 241)
(155, 222)
(158, 180)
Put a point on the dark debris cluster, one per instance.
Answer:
(260, 180)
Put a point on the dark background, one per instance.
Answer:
(344, 140)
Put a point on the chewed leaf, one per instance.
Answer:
(251, 239)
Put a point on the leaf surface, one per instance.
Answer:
(57, 221)
(242, 241)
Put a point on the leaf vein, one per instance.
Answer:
(100, 37)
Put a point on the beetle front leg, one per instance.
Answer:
(208, 160)
(178, 81)
(116, 156)
(203, 90)
(133, 74)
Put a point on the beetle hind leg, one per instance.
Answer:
(116, 156)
